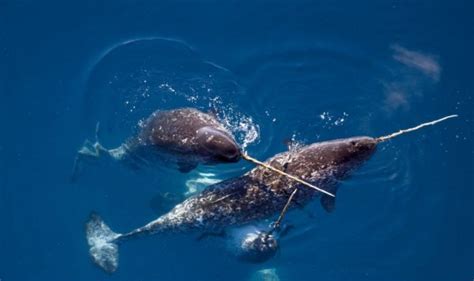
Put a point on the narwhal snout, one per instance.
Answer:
(219, 144)
(232, 154)
(363, 147)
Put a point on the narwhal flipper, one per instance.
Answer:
(186, 167)
(90, 153)
(328, 202)
(85, 154)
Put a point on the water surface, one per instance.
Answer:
(272, 72)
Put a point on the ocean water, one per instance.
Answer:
(273, 71)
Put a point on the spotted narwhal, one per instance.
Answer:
(182, 137)
(256, 195)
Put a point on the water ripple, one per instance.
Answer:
(275, 99)
(132, 79)
(308, 94)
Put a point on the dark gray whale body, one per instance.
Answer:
(256, 195)
(182, 137)
(189, 135)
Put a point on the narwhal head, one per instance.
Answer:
(349, 153)
(218, 145)
(352, 150)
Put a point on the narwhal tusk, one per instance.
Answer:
(401, 132)
(255, 161)
(277, 223)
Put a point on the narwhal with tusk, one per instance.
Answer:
(183, 136)
(256, 195)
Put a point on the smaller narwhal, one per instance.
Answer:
(182, 137)
(259, 194)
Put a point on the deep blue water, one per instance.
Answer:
(301, 70)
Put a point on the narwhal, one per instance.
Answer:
(183, 138)
(258, 194)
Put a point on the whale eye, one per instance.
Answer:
(353, 143)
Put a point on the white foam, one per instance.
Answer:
(198, 184)
(267, 274)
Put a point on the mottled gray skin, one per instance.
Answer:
(185, 137)
(261, 193)
(256, 195)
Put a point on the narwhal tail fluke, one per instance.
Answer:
(94, 153)
(102, 241)
(90, 153)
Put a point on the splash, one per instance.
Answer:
(132, 79)
(242, 126)
(330, 120)
(250, 131)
